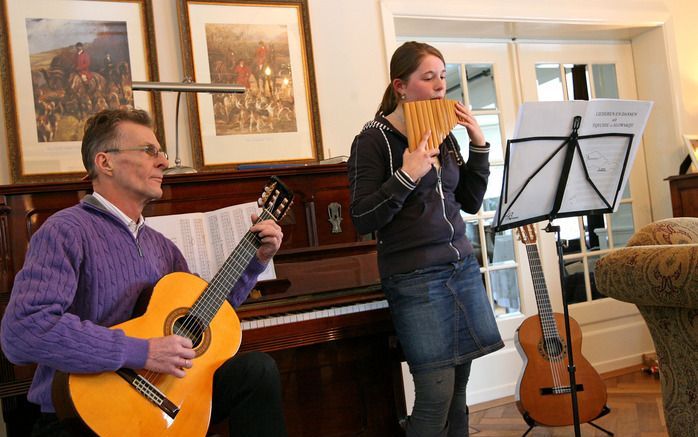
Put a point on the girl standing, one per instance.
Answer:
(429, 274)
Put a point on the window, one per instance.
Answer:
(494, 250)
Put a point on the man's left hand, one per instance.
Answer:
(269, 233)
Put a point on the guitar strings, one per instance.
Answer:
(246, 243)
(248, 246)
(551, 337)
(547, 325)
(538, 280)
(220, 286)
(222, 282)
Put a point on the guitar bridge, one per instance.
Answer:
(560, 390)
(149, 391)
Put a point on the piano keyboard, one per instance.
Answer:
(264, 322)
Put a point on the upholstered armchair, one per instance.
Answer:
(658, 272)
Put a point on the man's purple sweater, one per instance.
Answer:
(84, 271)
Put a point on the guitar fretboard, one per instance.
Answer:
(545, 310)
(207, 305)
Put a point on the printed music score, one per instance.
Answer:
(608, 138)
(207, 238)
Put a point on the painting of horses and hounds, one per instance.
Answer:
(257, 57)
(78, 68)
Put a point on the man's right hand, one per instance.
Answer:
(170, 355)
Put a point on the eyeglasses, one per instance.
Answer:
(150, 150)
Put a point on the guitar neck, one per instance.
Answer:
(545, 310)
(217, 291)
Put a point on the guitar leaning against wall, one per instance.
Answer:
(144, 403)
(543, 391)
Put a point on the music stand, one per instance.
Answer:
(591, 171)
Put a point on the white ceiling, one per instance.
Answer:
(422, 28)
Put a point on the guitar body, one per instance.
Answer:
(531, 397)
(110, 406)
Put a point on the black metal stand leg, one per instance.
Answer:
(604, 430)
(600, 428)
(528, 430)
(570, 359)
(531, 423)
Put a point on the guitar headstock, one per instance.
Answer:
(276, 198)
(527, 234)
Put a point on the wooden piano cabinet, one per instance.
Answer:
(684, 195)
(345, 379)
(340, 374)
(340, 389)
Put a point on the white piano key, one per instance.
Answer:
(284, 319)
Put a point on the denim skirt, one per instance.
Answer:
(442, 315)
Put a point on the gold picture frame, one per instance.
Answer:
(62, 61)
(266, 47)
(691, 142)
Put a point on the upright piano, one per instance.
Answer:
(324, 320)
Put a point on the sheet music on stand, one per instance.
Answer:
(608, 137)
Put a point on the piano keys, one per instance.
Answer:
(304, 316)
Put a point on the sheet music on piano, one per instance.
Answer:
(207, 238)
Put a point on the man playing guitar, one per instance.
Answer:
(86, 267)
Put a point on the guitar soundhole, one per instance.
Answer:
(552, 349)
(182, 322)
(190, 327)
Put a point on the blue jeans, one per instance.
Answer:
(444, 320)
(439, 408)
(442, 315)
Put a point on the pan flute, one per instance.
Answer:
(437, 115)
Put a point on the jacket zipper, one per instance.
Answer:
(439, 188)
(135, 237)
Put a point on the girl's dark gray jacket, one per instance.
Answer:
(419, 225)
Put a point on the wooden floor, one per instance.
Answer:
(634, 399)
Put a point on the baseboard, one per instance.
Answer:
(620, 372)
(618, 364)
(491, 404)
(492, 394)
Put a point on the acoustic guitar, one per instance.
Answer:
(144, 403)
(543, 393)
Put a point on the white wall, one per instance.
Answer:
(684, 14)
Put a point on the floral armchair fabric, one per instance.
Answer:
(658, 272)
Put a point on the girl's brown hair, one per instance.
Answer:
(404, 62)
